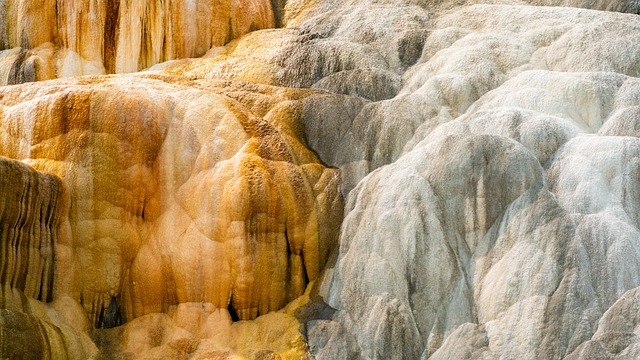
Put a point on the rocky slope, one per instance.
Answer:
(392, 179)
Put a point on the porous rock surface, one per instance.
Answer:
(390, 179)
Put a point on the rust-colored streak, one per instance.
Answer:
(110, 35)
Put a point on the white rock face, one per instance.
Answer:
(505, 224)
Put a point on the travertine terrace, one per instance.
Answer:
(299, 179)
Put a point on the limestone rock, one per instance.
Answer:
(178, 192)
(79, 37)
(488, 151)
(616, 337)
(632, 7)
(31, 211)
(460, 54)
(477, 49)
(451, 264)
(368, 43)
(30, 329)
(372, 84)
(154, 336)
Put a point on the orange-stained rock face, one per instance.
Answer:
(178, 191)
(79, 37)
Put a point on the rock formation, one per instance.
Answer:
(175, 192)
(58, 38)
(32, 211)
(149, 226)
(389, 179)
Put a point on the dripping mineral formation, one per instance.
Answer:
(389, 179)
(57, 38)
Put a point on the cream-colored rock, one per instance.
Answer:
(617, 334)
(251, 58)
(420, 272)
(498, 248)
(450, 238)
(632, 7)
(479, 48)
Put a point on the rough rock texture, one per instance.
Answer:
(178, 191)
(31, 209)
(30, 213)
(30, 329)
(515, 225)
(488, 153)
(364, 48)
(211, 335)
(617, 334)
(60, 38)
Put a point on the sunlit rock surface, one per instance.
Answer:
(59, 38)
(391, 179)
(176, 192)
